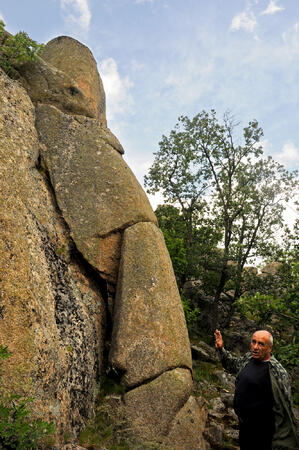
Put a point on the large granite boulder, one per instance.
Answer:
(83, 160)
(152, 406)
(52, 315)
(77, 61)
(149, 333)
(45, 83)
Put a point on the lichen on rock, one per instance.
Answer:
(52, 314)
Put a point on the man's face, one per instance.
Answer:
(260, 346)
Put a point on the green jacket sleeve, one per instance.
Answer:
(232, 364)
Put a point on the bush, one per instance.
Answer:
(16, 50)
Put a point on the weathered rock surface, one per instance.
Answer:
(204, 352)
(52, 313)
(77, 61)
(152, 406)
(45, 83)
(81, 160)
(149, 333)
(187, 427)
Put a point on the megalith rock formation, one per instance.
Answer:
(52, 312)
(77, 61)
(87, 284)
(149, 334)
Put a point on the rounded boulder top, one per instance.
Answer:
(76, 60)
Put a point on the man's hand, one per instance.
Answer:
(218, 340)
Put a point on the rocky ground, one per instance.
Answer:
(216, 389)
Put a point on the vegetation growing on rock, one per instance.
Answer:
(16, 50)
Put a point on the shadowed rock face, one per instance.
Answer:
(79, 242)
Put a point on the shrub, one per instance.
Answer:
(16, 50)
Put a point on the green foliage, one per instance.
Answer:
(17, 428)
(205, 372)
(278, 303)
(207, 384)
(219, 184)
(282, 316)
(191, 313)
(172, 224)
(193, 253)
(288, 354)
(109, 426)
(16, 50)
(260, 307)
(4, 353)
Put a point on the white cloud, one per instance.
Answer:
(156, 199)
(272, 8)
(117, 89)
(2, 17)
(289, 156)
(245, 20)
(77, 13)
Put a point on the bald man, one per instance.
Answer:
(262, 398)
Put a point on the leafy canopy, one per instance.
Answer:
(202, 168)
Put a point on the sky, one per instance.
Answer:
(160, 59)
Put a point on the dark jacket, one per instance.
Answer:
(286, 430)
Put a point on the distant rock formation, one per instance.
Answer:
(86, 279)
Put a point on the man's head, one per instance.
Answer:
(261, 345)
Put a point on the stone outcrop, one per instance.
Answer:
(52, 312)
(84, 269)
(77, 61)
(45, 83)
(145, 342)
(152, 406)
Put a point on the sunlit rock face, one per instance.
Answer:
(149, 333)
(52, 312)
(77, 61)
(87, 282)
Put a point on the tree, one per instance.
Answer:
(201, 168)
(274, 300)
(182, 182)
(204, 257)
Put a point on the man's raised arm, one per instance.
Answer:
(231, 363)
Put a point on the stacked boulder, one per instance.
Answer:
(107, 274)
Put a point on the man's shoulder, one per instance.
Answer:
(277, 366)
(279, 372)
